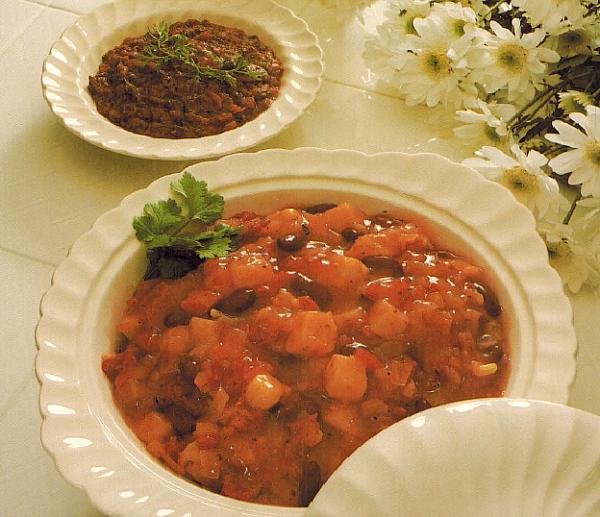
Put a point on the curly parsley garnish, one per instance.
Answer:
(164, 47)
(171, 252)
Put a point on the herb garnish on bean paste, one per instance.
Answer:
(164, 47)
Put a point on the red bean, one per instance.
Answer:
(310, 483)
(382, 263)
(319, 209)
(291, 242)
(385, 220)
(237, 302)
(304, 286)
(494, 354)
(490, 302)
(177, 318)
(350, 234)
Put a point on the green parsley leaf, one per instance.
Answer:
(161, 241)
(172, 253)
(202, 205)
(220, 243)
(157, 218)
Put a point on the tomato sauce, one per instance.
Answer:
(256, 375)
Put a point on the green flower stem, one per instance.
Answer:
(553, 151)
(493, 8)
(551, 90)
(572, 208)
(593, 9)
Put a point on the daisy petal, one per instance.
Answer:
(536, 159)
(568, 135)
(496, 156)
(567, 162)
(581, 175)
(593, 115)
(583, 121)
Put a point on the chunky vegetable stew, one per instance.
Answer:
(257, 374)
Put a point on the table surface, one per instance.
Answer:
(53, 186)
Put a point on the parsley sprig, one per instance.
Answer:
(164, 47)
(171, 251)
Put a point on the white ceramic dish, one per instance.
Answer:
(78, 52)
(82, 428)
(492, 457)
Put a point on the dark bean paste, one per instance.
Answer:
(187, 80)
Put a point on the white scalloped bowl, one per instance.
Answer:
(492, 457)
(84, 431)
(78, 52)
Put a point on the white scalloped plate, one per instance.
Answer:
(85, 433)
(78, 52)
(492, 457)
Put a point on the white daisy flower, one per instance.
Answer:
(575, 264)
(403, 13)
(576, 39)
(548, 12)
(477, 5)
(381, 50)
(484, 123)
(432, 69)
(516, 60)
(379, 53)
(460, 21)
(523, 176)
(583, 161)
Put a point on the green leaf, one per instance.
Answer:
(218, 247)
(157, 218)
(185, 241)
(161, 241)
(221, 230)
(172, 253)
(202, 205)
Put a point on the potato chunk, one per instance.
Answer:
(314, 334)
(332, 270)
(386, 320)
(264, 391)
(345, 378)
(153, 427)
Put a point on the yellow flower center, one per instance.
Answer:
(491, 134)
(518, 179)
(512, 58)
(592, 152)
(577, 39)
(435, 63)
(458, 27)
